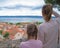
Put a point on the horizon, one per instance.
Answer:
(16, 19)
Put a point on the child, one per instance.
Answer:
(32, 38)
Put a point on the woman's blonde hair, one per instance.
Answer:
(47, 10)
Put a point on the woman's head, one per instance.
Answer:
(32, 31)
(47, 12)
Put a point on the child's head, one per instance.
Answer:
(32, 31)
(47, 12)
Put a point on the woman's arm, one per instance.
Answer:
(56, 14)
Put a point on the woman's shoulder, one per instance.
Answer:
(42, 25)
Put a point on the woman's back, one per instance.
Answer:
(49, 31)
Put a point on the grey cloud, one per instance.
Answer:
(21, 6)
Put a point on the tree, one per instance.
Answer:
(1, 32)
(18, 23)
(38, 23)
(6, 35)
(58, 2)
(11, 23)
(50, 1)
(55, 3)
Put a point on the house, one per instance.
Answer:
(18, 35)
(14, 33)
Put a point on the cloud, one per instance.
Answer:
(20, 12)
(16, 7)
(23, 2)
(21, 7)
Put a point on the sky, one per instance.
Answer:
(21, 7)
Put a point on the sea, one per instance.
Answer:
(16, 19)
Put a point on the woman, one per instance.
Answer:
(48, 30)
(32, 38)
(58, 21)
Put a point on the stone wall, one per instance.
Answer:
(10, 44)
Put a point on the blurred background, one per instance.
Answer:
(16, 14)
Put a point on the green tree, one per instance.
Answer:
(18, 23)
(11, 23)
(50, 1)
(58, 2)
(55, 3)
(38, 23)
(6, 35)
(1, 32)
